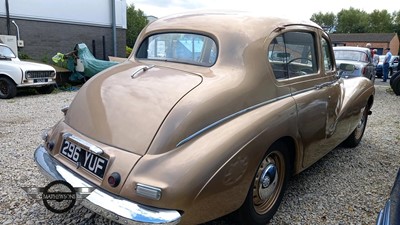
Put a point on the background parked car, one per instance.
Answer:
(359, 57)
(15, 73)
(393, 65)
(395, 82)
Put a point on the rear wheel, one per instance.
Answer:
(8, 89)
(396, 85)
(355, 137)
(269, 184)
(380, 74)
(393, 77)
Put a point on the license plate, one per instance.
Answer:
(39, 80)
(83, 158)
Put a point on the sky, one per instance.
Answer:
(302, 9)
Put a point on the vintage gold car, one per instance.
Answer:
(210, 115)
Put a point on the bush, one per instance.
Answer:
(22, 55)
(128, 51)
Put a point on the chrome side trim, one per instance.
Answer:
(108, 205)
(326, 84)
(316, 87)
(303, 91)
(190, 137)
(384, 215)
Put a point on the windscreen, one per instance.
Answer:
(351, 55)
(6, 52)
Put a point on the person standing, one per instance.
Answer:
(386, 61)
(375, 57)
(368, 45)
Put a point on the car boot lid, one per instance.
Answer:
(125, 106)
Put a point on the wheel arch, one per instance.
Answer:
(370, 102)
(8, 87)
(8, 76)
(203, 198)
(236, 171)
(294, 157)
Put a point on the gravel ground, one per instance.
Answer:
(347, 186)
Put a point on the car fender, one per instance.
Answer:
(14, 72)
(358, 93)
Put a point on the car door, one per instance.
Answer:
(315, 88)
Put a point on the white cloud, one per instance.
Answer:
(293, 8)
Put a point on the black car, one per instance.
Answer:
(393, 66)
(390, 215)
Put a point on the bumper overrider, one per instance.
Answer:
(103, 203)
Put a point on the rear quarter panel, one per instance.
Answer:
(215, 169)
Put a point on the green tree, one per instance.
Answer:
(136, 21)
(396, 22)
(380, 22)
(352, 21)
(326, 20)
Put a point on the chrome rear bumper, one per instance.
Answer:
(109, 206)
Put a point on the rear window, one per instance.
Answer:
(179, 47)
(351, 55)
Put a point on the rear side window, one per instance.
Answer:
(327, 54)
(179, 47)
(292, 54)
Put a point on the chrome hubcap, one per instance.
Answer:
(268, 182)
(361, 125)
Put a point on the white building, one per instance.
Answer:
(45, 27)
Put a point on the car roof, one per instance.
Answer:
(232, 31)
(351, 48)
(219, 23)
